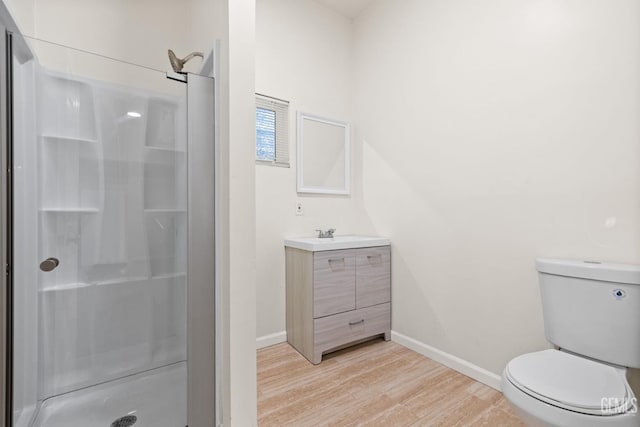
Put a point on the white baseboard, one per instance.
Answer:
(269, 340)
(449, 360)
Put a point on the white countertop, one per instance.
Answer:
(315, 244)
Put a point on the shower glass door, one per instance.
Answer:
(100, 242)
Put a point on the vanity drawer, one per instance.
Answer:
(333, 331)
(334, 282)
(373, 276)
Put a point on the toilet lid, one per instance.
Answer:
(569, 380)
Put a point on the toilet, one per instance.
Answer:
(592, 315)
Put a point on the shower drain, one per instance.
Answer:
(126, 421)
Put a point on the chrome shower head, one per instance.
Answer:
(178, 64)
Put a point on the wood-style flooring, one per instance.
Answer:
(374, 384)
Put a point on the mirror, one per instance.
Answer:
(324, 155)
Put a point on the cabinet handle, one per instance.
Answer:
(356, 322)
(337, 264)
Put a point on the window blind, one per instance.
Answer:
(272, 130)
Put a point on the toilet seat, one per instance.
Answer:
(571, 382)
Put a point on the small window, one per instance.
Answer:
(272, 129)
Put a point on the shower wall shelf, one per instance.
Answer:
(70, 210)
(67, 107)
(166, 150)
(162, 123)
(119, 281)
(65, 287)
(63, 139)
(165, 211)
(116, 281)
(82, 285)
(170, 276)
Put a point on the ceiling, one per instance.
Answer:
(348, 8)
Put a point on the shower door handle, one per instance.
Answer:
(49, 264)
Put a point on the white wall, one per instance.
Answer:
(303, 55)
(240, 219)
(492, 133)
(140, 31)
(23, 12)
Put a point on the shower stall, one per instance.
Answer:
(110, 260)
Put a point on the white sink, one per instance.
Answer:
(315, 244)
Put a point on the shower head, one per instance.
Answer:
(177, 64)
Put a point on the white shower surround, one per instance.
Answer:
(107, 198)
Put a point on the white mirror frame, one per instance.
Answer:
(301, 187)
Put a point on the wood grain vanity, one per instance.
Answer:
(337, 297)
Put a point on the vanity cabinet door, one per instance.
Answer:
(334, 282)
(373, 276)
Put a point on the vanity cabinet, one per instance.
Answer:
(337, 297)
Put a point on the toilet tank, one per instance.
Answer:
(592, 309)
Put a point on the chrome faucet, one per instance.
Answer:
(326, 234)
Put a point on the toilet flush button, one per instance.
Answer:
(619, 294)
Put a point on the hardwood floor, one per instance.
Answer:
(374, 384)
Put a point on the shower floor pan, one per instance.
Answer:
(156, 398)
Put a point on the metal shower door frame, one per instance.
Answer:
(201, 272)
(6, 293)
(12, 45)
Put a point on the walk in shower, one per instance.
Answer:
(111, 261)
